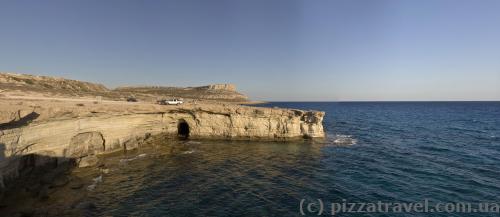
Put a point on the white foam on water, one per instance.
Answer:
(131, 159)
(91, 187)
(97, 179)
(340, 139)
(94, 185)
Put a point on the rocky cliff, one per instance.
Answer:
(221, 92)
(226, 87)
(30, 85)
(64, 130)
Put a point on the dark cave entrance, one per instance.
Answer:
(183, 129)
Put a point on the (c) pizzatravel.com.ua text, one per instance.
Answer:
(318, 207)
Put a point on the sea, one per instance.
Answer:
(442, 155)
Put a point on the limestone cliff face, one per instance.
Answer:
(78, 132)
(228, 87)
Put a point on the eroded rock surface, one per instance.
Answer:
(84, 144)
(63, 130)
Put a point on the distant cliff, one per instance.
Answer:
(228, 87)
(28, 85)
(225, 92)
(46, 83)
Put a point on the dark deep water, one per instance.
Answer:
(392, 152)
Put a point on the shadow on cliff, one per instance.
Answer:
(21, 122)
(30, 177)
(2, 151)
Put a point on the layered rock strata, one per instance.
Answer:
(67, 131)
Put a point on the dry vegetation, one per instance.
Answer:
(21, 85)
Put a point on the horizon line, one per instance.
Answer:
(327, 101)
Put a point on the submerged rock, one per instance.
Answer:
(44, 193)
(60, 182)
(85, 205)
(26, 213)
(76, 186)
(88, 161)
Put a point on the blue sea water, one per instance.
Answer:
(375, 151)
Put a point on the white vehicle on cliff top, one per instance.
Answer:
(170, 102)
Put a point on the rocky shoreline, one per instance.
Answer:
(63, 190)
(50, 126)
(34, 133)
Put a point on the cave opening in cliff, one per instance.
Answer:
(183, 129)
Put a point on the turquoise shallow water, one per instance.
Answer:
(393, 152)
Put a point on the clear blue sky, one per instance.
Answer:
(271, 49)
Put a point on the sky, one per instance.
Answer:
(275, 50)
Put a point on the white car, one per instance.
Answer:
(170, 102)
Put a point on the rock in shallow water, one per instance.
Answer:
(85, 205)
(76, 186)
(88, 161)
(60, 182)
(44, 193)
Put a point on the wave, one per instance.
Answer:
(348, 140)
(131, 159)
